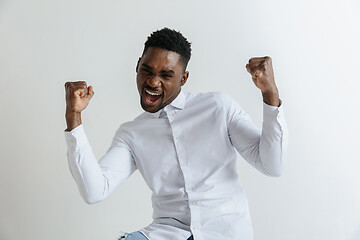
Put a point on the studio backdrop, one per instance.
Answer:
(315, 51)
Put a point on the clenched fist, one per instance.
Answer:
(262, 74)
(77, 96)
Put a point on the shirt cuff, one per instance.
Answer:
(75, 138)
(274, 121)
(271, 113)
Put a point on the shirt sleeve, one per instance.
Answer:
(266, 149)
(97, 180)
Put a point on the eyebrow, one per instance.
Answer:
(162, 71)
(168, 71)
(147, 66)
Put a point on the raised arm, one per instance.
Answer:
(265, 149)
(95, 180)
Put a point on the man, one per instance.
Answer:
(183, 145)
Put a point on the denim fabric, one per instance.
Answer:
(135, 236)
(140, 236)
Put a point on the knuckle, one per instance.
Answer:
(67, 84)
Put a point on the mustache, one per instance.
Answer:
(153, 89)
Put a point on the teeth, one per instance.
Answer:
(152, 93)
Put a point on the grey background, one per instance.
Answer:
(315, 51)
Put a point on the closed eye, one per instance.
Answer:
(146, 70)
(166, 76)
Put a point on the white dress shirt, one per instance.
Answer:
(186, 154)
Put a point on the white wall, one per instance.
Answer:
(315, 51)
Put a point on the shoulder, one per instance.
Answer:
(126, 130)
(123, 131)
(144, 115)
(222, 103)
(215, 98)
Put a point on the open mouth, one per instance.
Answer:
(152, 97)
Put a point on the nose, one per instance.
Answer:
(153, 81)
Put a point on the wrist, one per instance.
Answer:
(271, 97)
(270, 90)
(73, 119)
(69, 112)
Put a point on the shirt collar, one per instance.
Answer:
(178, 102)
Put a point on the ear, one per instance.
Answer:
(137, 65)
(184, 78)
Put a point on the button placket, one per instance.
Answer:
(183, 164)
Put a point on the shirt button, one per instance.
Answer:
(184, 164)
(190, 189)
(195, 228)
(177, 138)
(171, 118)
(193, 203)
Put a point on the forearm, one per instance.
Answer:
(97, 180)
(262, 149)
(73, 119)
(84, 166)
(271, 97)
(273, 139)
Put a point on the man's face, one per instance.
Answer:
(160, 75)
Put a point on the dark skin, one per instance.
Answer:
(77, 96)
(262, 74)
(160, 76)
(161, 72)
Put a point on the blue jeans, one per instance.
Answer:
(140, 236)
